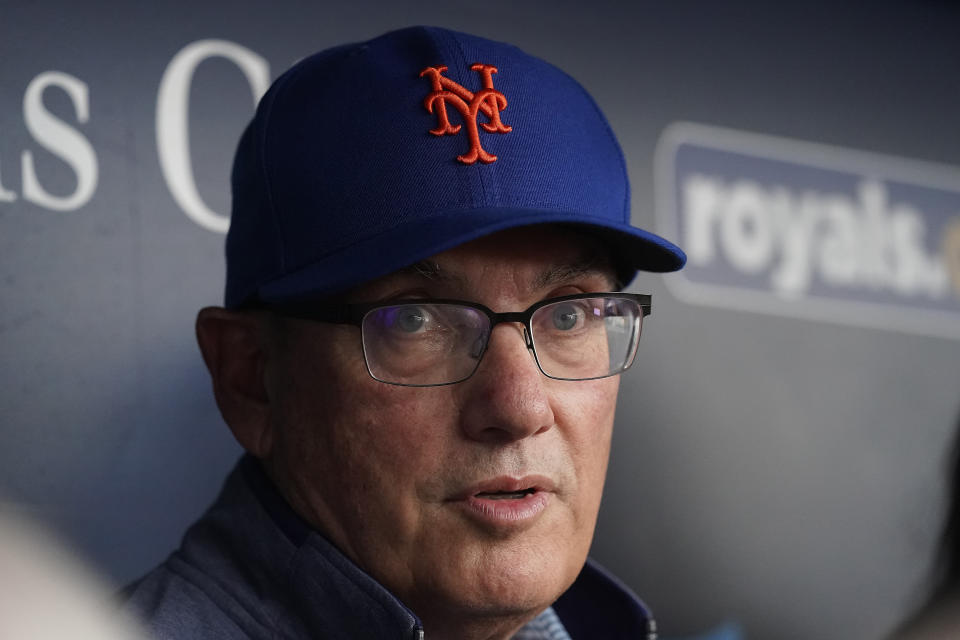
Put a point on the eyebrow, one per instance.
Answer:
(590, 263)
(431, 271)
(587, 264)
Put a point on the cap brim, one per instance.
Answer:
(634, 249)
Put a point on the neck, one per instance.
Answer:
(480, 625)
(488, 628)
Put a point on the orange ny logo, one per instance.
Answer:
(488, 100)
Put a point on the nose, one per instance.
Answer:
(506, 399)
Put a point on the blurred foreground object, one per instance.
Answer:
(47, 593)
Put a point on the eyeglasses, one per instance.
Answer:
(431, 342)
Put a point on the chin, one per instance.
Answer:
(516, 581)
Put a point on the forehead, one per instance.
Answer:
(531, 257)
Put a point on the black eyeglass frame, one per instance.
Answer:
(354, 314)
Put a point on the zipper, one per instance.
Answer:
(651, 629)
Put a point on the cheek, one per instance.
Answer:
(378, 439)
(587, 410)
(359, 453)
(397, 425)
(585, 415)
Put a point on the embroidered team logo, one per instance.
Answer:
(488, 101)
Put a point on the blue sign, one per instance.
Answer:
(795, 228)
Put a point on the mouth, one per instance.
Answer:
(505, 495)
(504, 488)
(506, 503)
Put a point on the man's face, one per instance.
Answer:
(403, 480)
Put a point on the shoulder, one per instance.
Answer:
(221, 581)
(177, 602)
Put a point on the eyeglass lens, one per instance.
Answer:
(441, 343)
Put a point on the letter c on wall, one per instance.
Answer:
(173, 99)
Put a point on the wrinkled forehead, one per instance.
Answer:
(531, 258)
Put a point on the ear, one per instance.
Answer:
(234, 348)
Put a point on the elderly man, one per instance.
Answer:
(419, 351)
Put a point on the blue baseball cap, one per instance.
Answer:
(368, 157)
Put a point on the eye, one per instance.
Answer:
(566, 316)
(409, 319)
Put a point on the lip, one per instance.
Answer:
(478, 503)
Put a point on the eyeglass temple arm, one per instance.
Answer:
(333, 313)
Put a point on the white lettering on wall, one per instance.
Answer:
(6, 195)
(173, 99)
(60, 139)
(746, 231)
(865, 241)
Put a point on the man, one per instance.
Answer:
(420, 352)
